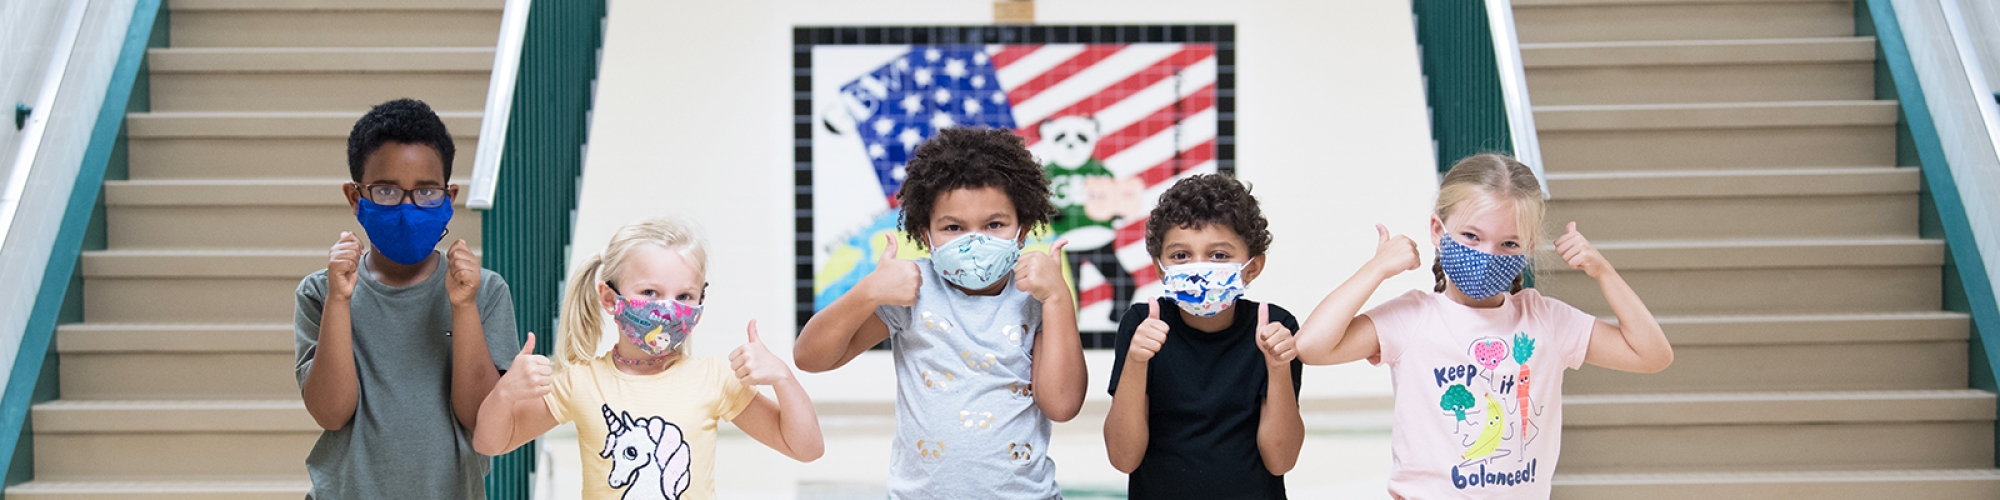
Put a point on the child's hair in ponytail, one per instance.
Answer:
(1493, 178)
(583, 318)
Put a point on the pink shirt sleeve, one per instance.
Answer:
(1393, 320)
(1571, 327)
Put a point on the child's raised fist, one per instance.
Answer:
(1040, 274)
(1274, 339)
(754, 363)
(343, 266)
(1580, 254)
(894, 281)
(462, 279)
(1149, 337)
(529, 377)
(1394, 254)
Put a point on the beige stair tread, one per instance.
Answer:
(1697, 52)
(320, 60)
(1816, 407)
(1843, 476)
(322, 5)
(227, 263)
(80, 338)
(1760, 254)
(127, 416)
(1733, 183)
(263, 124)
(1816, 329)
(234, 192)
(1714, 116)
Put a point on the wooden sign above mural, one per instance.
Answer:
(1116, 114)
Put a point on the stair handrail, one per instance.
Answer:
(1975, 74)
(1514, 89)
(36, 127)
(499, 105)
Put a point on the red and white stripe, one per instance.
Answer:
(1133, 92)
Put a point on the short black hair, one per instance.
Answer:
(407, 121)
(971, 158)
(1201, 200)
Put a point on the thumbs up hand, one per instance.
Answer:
(1149, 337)
(894, 281)
(1274, 339)
(1393, 254)
(754, 363)
(1580, 254)
(529, 377)
(1040, 274)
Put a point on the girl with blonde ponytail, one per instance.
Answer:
(646, 410)
(1469, 421)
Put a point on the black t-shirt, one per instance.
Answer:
(1204, 395)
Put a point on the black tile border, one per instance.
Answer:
(804, 38)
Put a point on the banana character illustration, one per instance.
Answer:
(1484, 447)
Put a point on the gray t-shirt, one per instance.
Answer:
(403, 441)
(966, 421)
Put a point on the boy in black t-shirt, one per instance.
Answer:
(1200, 406)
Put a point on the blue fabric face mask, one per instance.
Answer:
(404, 233)
(1479, 274)
(975, 261)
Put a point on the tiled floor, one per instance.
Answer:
(1346, 455)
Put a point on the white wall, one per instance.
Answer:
(693, 117)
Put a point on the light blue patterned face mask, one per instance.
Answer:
(1204, 288)
(1479, 274)
(975, 261)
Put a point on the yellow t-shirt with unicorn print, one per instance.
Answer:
(648, 436)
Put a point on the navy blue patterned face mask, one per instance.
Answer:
(1479, 274)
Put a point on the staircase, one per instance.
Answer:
(1730, 158)
(179, 381)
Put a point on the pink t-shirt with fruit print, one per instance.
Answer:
(1478, 392)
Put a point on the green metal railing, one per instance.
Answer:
(1942, 216)
(1474, 82)
(527, 229)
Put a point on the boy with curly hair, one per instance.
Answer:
(1219, 418)
(984, 337)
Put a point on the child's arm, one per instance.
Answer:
(1059, 377)
(1127, 429)
(848, 326)
(1281, 431)
(331, 390)
(1636, 343)
(789, 425)
(1335, 333)
(472, 371)
(514, 413)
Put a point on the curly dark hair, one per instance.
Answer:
(407, 121)
(1206, 199)
(971, 158)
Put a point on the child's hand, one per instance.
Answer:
(1149, 337)
(1394, 254)
(462, 279)
(1579, 254)
(894, 281)
(755, 365)
(1040, 274)
(529, 377)
(343, 266)
(1274, 339)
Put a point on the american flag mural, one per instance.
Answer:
(1113, 124)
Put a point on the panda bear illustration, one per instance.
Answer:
(1088, 198)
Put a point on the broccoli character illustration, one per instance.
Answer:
(1456, 400)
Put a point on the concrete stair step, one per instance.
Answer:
(317, 78)
(331, 23)
(1705, 71)
(217, 489)
(162, 361)
(242, 215)
(1746, 485)
(176, 440)
(1778, 431)
(1873, 202)
(1539, 21)
(261, 145)
(273, 124)
(259, 290)
(1761, 277)
(1717, 135)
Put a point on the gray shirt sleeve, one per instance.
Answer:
(496, 316)
(897, 317)
(311, 296)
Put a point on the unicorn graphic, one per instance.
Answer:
(648, 457)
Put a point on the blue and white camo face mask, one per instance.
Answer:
(1479, 274)
(1204, 288)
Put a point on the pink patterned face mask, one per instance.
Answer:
(655, 326)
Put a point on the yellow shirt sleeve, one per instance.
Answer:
(735, 396)
(561, 392)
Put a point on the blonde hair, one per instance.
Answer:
(583, 318)
(1498, 180)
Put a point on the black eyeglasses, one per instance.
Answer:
(387, 194)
